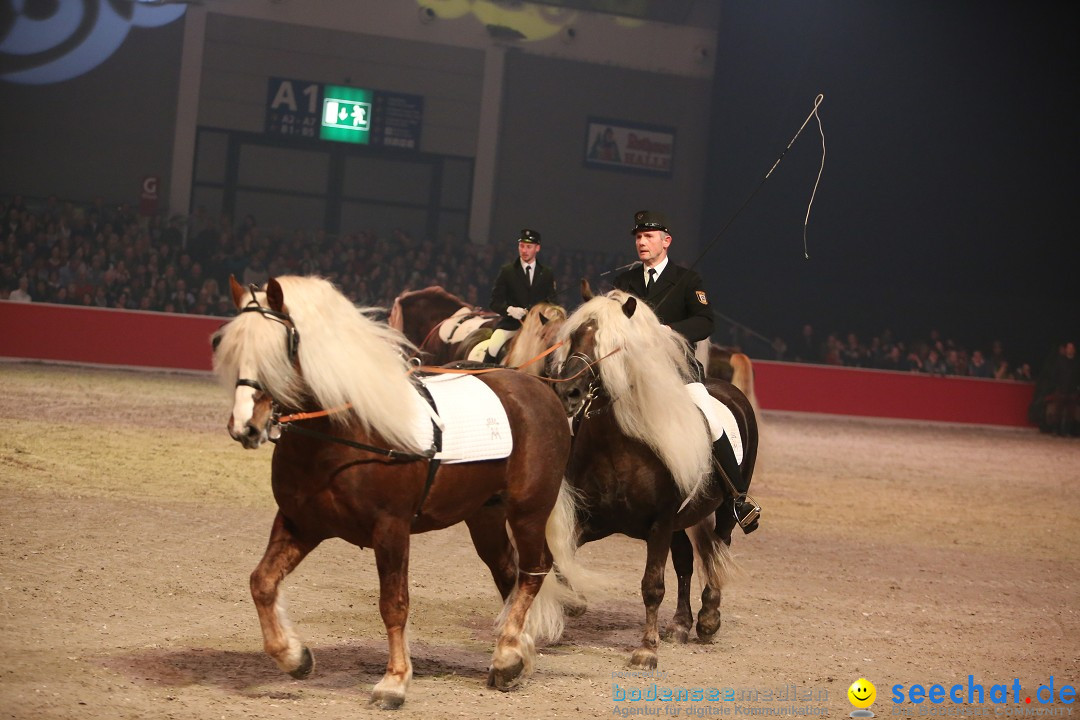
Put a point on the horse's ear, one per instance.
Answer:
(629, 306)
(274, 296)
(586, 290)
(238, 292)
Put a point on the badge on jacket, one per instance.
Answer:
(701, 297)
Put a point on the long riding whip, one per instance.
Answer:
(806, 222)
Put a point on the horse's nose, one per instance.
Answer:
(572, 400)
(252, 437)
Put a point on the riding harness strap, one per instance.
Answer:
(436, 445)
(429, 455)
(392, 454)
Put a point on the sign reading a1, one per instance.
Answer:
(292, 108)
(346, 114)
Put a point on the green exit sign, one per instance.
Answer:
(346, 114)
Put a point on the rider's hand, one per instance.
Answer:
(516, 312)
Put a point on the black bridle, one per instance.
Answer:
(292, 336)
(595, 388)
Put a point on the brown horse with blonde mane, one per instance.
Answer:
(349, 463)
(642, 460)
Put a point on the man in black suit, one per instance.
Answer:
(519, 285)
(678, 298)
(675, 294)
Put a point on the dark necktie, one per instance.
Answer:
(528, 274)
(652, 279)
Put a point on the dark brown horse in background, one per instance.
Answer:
(420, 315)
(641, 462)
(355, 468)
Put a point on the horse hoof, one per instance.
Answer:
(643, 660)
(574, 610)
(707, 628)
(506, 678)
(676, 634)
(307, 664)
(387, 701)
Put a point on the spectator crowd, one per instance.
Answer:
(935, 355)
(107, 256)
(103, 255)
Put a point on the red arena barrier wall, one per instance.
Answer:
(101, 336)
(877, 393)
(40, 331)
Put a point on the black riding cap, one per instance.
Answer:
(646, 220)
(529, 236)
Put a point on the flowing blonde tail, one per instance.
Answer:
(564, 586)
(716, 565)
(742, 377)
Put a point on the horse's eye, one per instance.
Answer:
(215, 341)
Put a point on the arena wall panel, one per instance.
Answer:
(60, 333)
(878, 393)
(101, 336)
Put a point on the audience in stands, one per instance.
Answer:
(107, 256)
(103, 256)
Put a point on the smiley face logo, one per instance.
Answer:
(862, 693)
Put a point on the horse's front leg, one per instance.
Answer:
(391, 545)
(658, 545)
(283, 553)
(682, 557)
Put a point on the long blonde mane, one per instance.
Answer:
(645, 380)
(535, 337)
(346, 358)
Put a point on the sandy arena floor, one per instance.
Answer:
(903, 553)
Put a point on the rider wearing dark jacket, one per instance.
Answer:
(676, 294)
(678, 298)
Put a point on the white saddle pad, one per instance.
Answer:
(473, 421)
(457, 327)
(721, 420)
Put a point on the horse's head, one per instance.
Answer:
(539, 329)
(578, 360)
(349, 366)
(250, 358)
(579, 380)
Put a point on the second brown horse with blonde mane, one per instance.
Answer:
(642, 462)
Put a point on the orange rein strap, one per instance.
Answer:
(453, 371)
(481, 371)
(317, 413)
(576, 375)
